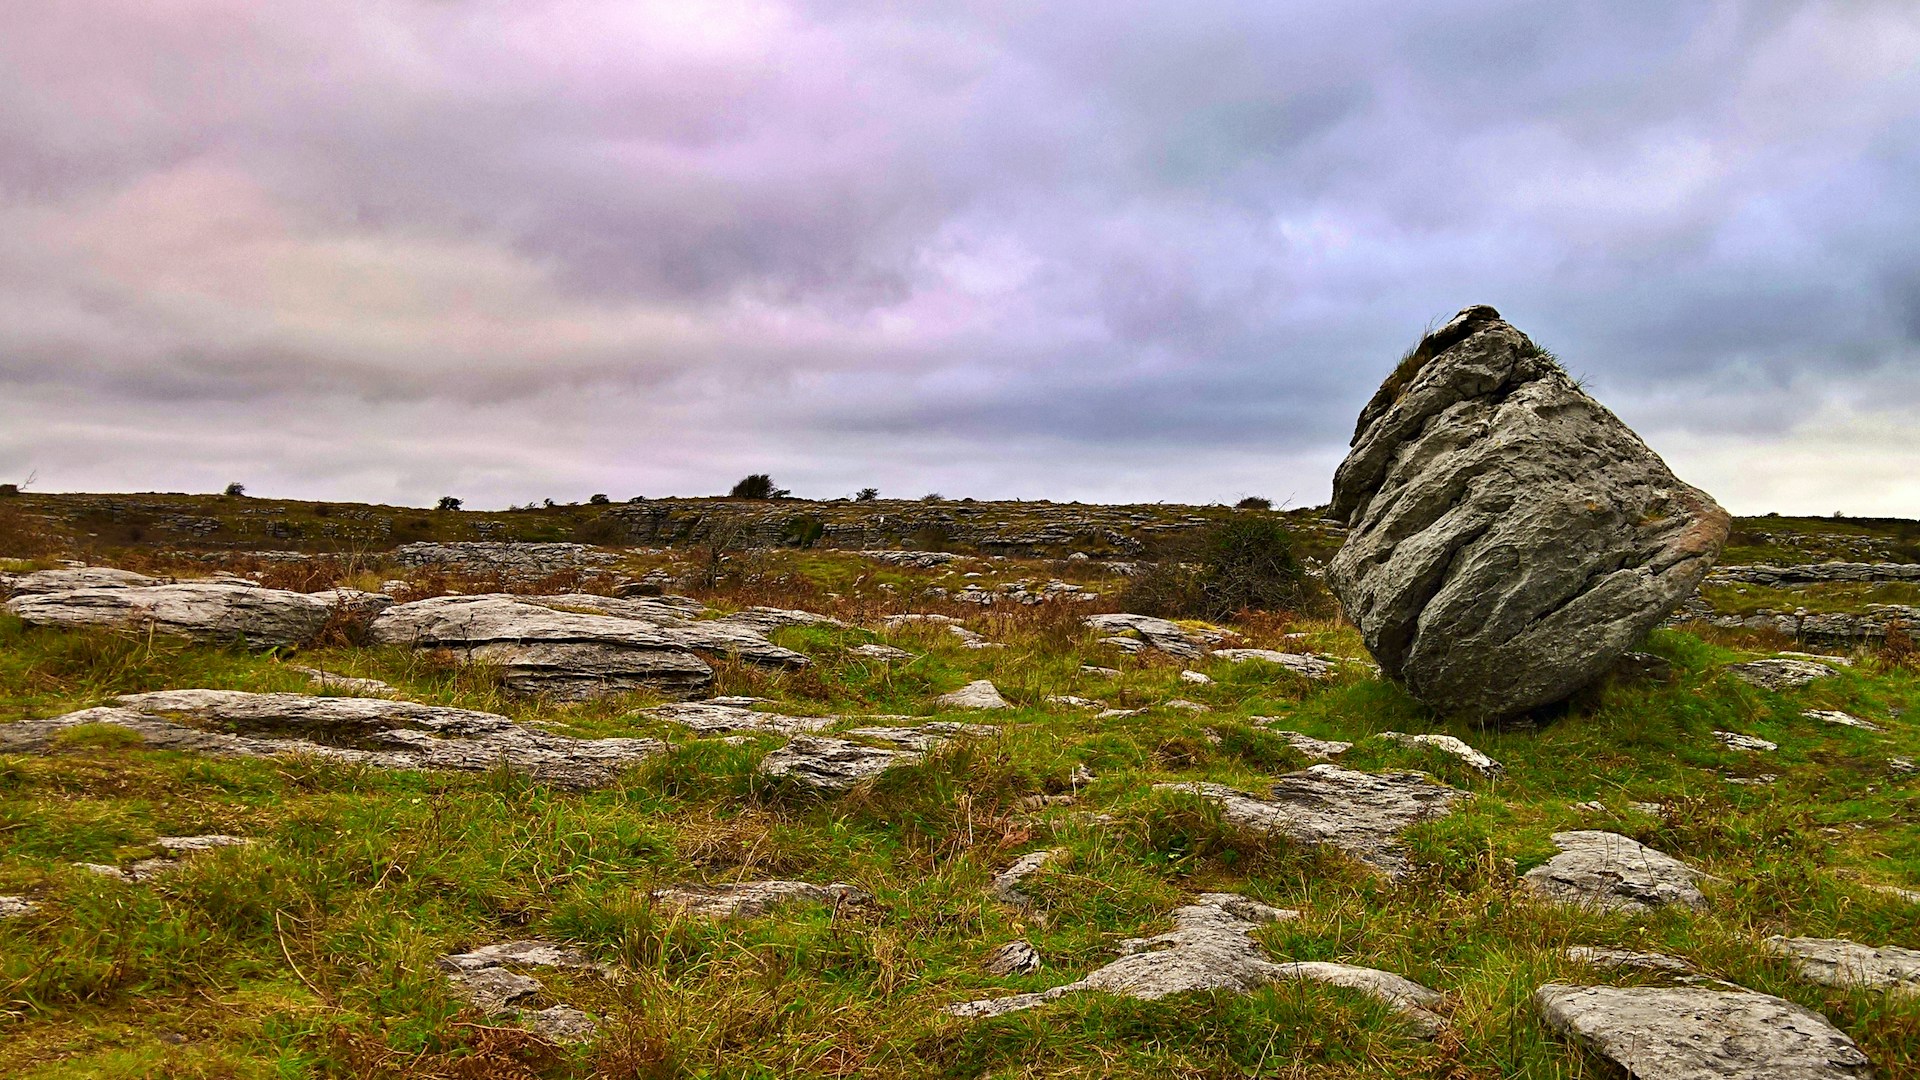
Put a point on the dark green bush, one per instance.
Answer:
(1241, 565)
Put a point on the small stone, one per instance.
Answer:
(1103, 672)
(1006, 884)
(561, 1023)
(1901, 766)
(1837, 962)
(1070, 700)
(879, 652)
(979, 694)
(1197, 678)
(1447, 744)
(1013, 958)
(1628, 960)
(1613, 872)
(1735, 741)
(832, 765)
(14, 907)
(712, 718)
(1302, 664)
(1307, 745)
(1187, 706)
(1834, 716)
(751, 899)
(1591, 806)
(495, 990)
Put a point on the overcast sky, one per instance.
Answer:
(510, 250)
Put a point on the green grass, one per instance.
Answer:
(311, 953)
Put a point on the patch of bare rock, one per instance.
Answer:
(831, 766)
(979, 694)
(1611, 872)
(1153, 633)
(15, 907)
(201, 611)
(1306, 665)
(713, 718)
(1306, 745)
(1693, 1033)
(1834, 716)
(1211, 947)
(1608, 959)
(177, 849)
(1359, 813)
(1509, 538)
(1013, 958)
(1780, 673)
(377, 732)
(1837, 962)
(493, 979)
(1451, 746)
(752, 899)
(1006, 884)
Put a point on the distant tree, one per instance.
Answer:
(599, 500)
(867, 494)
(933, 496)
(235, 490)
(448, 502)
(757, 486)
(1254, 502)
(9, 490)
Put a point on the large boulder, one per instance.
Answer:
(1509, 538)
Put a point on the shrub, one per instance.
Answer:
(598, 500)
(235, 490)
(757, 486)
(867, 495)
(1254, 502)
(1241, 565)
(448, 502)
(7, 491)
(804, 531)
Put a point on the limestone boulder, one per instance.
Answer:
(210, 612)
(376, 732)
(1692, 1033)
(1610, 872)
(547, 650)
(1359, 813)
(1509, 538)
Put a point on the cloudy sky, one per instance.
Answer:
(512, 250)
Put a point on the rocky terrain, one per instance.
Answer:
(519, 795)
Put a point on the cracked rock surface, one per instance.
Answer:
(750, 899)
(1359, 813)
(1509, 537)
(1447, 744)
(487, 977)
(1837, 962)
(1211, 947)
(202, 611)
(1612, 872)
(832, 766)
(543, 650)
(979, 694)
(379, 732)
(1780, 673)
(1154, 633)
(1303, 664)
(1691, 1033)
(711, 718)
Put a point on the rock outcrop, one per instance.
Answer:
(1614, 873)
(378, 732)
(831, 766)
(751, 899)
(1780, 673)
(207, 612)
(1361, 814)
(540, 649)
(493, 979)
(1509, 537)
(1691, 1033)
(1211, 947)
(1838, 962)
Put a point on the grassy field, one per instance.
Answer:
(312, 951)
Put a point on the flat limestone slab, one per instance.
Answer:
(378, 732)
(1613, 873)
(1689, 1033)
(1838, 962)
(1359, 813)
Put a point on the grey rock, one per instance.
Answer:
(1629, 960)
(1197, 678)
(1615, 873)
(1834, 716)
(15, 907)
(742, 635)
(924, 737)
(495, 990)
(1303, 664)
(874, 651)
(752, 899)
(539, 649)
(1780, 673)
(1168, 637)
(1013, 958)
(1072, 701)
(512, 559)
(1307, 745)
(1691, 1033)
(1510, 539)
(485, 976)
(530, 952)
(832, 765)
(177, 848)
(67, 579)
(200, 611)
(561, 1023)
(979, 694)
(377, 732)
(1447, 744)
(1736, 741)
(709, 718)
(1837, 962)
(1361, 814)
(1817, 573)
(1185, 706)
(1211, 947)
(1006, 884)
(327, 680)
(1103, 672)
